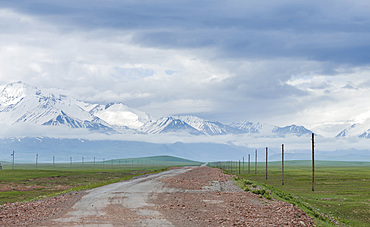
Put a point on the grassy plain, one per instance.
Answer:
(342, 189)
(26, 182)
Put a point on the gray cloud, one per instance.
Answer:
(329, 31)
(224, 60)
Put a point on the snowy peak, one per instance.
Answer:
(266, 129)
(365, 134)
(121, 115)
(247, 126)
(292, 129)
(357, 130)
(11, 94)
(343, 133)
(64, 120)
(347, 131)
(169, 125)
(21, 103)
(254, 128)
(208, 127)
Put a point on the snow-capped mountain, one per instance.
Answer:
(21, 103)
(118, 114)
(357, 130)
(365, 134)
(208, 127)
(95, 125)
(168, 124)
(292, 129)
(267, 129)
(250, 127)
(24, 103)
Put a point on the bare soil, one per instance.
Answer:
(34, 212)
(211, 199)
(18, 187)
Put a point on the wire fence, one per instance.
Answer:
(238, 166)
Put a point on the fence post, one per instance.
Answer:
(53, 162)
(37, 156)
(313, 162)
(243, 166)
(13, 160)
(249, 163)
(71, 162)
(255, 164)
(266, 161)
(239, 166)
(282, 163)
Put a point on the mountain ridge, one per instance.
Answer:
(22, 103)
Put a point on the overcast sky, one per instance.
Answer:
(278, 62)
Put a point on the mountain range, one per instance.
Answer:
(21, 103)
(360, 130)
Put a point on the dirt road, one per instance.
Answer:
(120, 204)
(199, 196)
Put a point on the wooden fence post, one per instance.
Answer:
(313, 162)
(243, 166)
(255, 164)
(13, 160)
(239, 166)
(282, 163)
(266, 160)
(249, 163)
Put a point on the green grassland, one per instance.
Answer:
(130, 163)
(342, 189)
(26, 182)
(155, 160)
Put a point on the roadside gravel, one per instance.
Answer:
(209, 198)
(34, 212)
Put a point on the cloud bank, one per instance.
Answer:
(277, 62)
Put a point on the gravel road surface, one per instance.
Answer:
(193, 196)
(120, 204)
